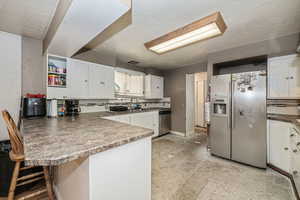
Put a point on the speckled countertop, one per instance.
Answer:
(285, 118)
(54, 141)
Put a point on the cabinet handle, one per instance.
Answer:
(295, 172)
(291, 77)
(292, 135)
(287, 78)
(295, 150)
(298, 143)
(285, 148)
(85, 81)
(102, 83)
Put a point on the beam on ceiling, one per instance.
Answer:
(60, 12)
(120, 24)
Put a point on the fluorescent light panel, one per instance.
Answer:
(203, 32)
(191, 37)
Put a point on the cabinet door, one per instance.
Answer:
(277, 78)
(146, 120)
(136, 85)
(294, 76)
(78, 76)
(101, 80)
(155, 123)
(295, 155)
(154, 87)
(158, 87)
(279, 144)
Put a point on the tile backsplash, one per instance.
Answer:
(103, 105)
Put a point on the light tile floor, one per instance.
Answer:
(182, 169)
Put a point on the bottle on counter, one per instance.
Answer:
(61, 111)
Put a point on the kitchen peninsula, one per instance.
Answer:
(93, 157)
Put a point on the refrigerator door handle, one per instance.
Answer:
(232, 104)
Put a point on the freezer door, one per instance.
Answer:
(220, 86)
(219, 134)
(249, 143)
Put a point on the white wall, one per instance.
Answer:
(10, 79)
(33, 67)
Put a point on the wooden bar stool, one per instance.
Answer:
(17, 155)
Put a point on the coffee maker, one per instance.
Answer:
(72, 107)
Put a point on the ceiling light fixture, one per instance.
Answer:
(203, 29)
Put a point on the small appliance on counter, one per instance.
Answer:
(72, 107)
(118, 108)
(34, 105)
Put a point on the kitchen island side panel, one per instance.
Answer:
(126, 169)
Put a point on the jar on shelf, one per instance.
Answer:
(51, 79)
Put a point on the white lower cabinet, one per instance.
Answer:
(279, 144)
(284, 148)
(148, 120)
(295, 155)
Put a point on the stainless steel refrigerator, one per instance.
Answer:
(238, 117)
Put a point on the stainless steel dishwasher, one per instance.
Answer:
(164, 122)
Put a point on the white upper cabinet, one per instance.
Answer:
(78, 76)
(129, 83)
(284, 77)
(154, 87)
(84, 80)
(101, 82)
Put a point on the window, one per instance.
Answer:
(129, 83)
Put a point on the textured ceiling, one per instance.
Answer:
(27, 17)
(247, 21)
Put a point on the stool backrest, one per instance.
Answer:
(14, 134)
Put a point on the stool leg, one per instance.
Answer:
(48, 183)
(13, 182)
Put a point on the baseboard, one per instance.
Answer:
(288, 175)
(178, 133)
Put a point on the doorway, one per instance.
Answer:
(200, 97)
(196, 92)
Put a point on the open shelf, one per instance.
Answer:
(57, 72)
